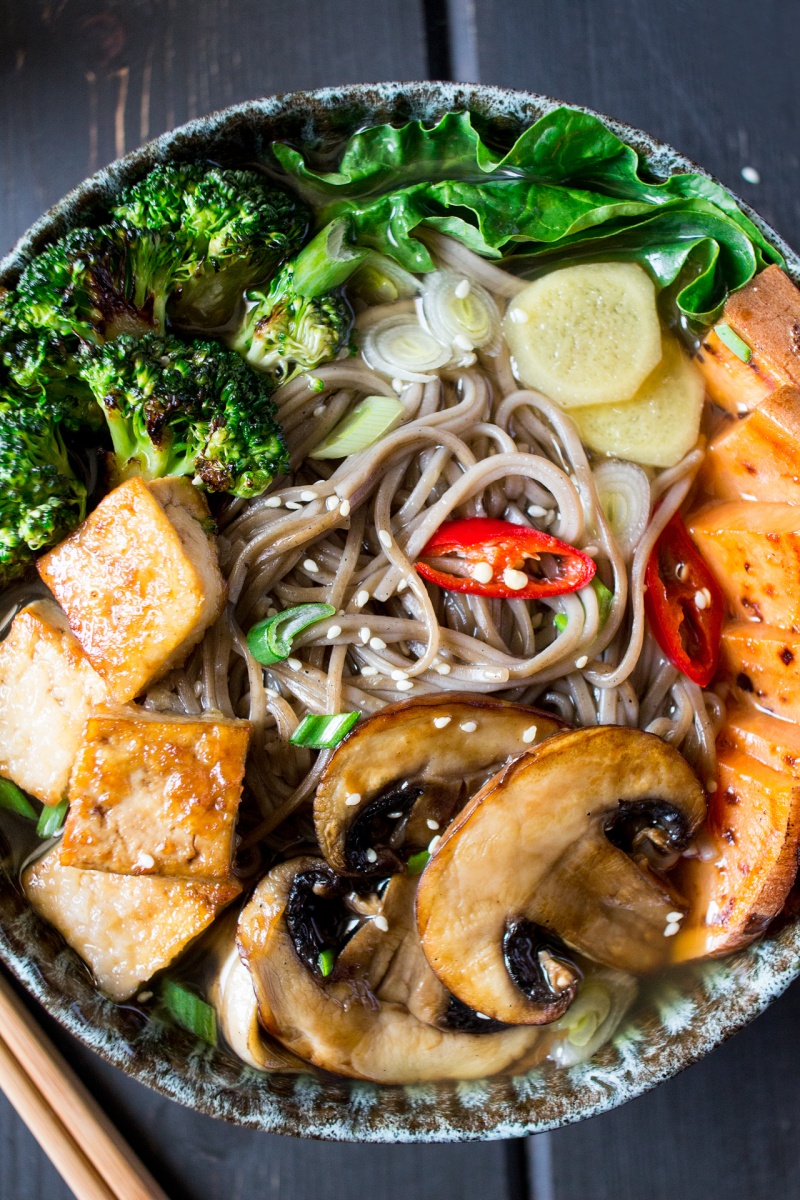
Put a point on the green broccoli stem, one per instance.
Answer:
(327, 261)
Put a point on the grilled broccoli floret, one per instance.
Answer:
(284, 334)
(42, 367)
(234, 229)
(41, 498)
(186, 408)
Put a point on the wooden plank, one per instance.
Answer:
(715, 79)
(82, 82)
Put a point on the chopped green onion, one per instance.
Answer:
(364, 425)
(605, 599)
(325, 962)
(327, 261)
(15, 800)
(51, 820)
(459, 310)
(380, 280)
(732, 340)
(323, 733)
(270, 641)
(561, 620)
(190, 1011)
(417, 862)
(403, 349)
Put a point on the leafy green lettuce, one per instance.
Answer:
(567, 189)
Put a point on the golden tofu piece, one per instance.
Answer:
(770, 740)
(48, 687)
(124, 928)
(156, 794)
(139, 581)
(758, 458)
(754, 552)
(763, 662)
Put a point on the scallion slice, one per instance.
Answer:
(327, 261)
(364, 425)
(325, 962)
(51, 820)
(380, 280)
(604, 601)
(270, 641)
(15, 800)
(561, 620)
(323, 733)
(403, 349)
(732, 340)
(190, 1011)
(417, 862)
(459, 311)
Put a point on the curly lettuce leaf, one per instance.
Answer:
(568, 188)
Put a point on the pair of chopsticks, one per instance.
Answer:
(71, 1128)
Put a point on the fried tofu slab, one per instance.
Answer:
(139, 581)
(758, 457)
(48, 687)
(156, 794)
(763, 662)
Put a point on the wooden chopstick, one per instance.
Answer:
(50, 1083)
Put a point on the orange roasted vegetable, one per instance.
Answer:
(758, 457)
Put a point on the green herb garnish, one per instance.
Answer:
(15, 800)
(323, 733)
(418, 862)
(51, 819)
(733, 342)
(189, 1011)
(325, 962)
(270, 641)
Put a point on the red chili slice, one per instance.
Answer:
(505, 547)
(684, 604)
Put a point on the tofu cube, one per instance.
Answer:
(156, 794)
(768, 739)
(139, 581)
(48, 687)
(758, 457)
(754, 551)
(124, 927)
(763, 663)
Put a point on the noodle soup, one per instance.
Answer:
(410, 685)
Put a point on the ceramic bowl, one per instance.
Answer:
(700, 1008)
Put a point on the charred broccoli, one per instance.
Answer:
(41, 497)
(233, 227)
(284, 334)
(44, 371)
(186, 408)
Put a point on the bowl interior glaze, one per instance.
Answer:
(699, 1008)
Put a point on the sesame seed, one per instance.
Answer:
(672, 929)
(482, 572)
(441, 722)
(394, 816)
(143, 997)
(309, 495)
(371, 855)
(581, 662)
(516, 580)
(433, 843)
(443, 669)
(365, 633)
(146, 861)
(273, 502)
(310, 566)
(707, 595)
(398, 386)
(334, 631)
(469, 360)
(353, 798)
(551, 517)
(712, 912)
(536, 620)
(198, 688)
(462, 342)
(463, 289)
(518, 316)
(319, 410)
(469, 726)
(293, 504)
(482, 1016)
(399, 674)
(711, 785)
(750, 175)
(331, 503)
(384, 537)
(529, 734)
(402, 585)
(344, 508)
(536, 510)
(591, 550)
(382, 924)
(682, 572)
(700, 600)
(377, 643)
(354, 924)
(431, 823)
(361, 598)
(370, 671)
(271, 693)
(404, 685)
(674, 916)
(294, 663)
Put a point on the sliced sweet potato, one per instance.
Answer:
(753, 824)
(754, 552)
(758, 458)
(763, 661)
(766, 316)
(772, 741)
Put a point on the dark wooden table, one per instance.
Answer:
(81, 81)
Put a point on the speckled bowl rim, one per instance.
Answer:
(705, 1005)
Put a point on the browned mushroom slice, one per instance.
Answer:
(357, 1015)
(404, 774)
(562, 846)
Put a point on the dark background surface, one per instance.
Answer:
(82, 81)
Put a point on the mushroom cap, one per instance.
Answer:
(415, 759)
(368, 1018)
(557, 847)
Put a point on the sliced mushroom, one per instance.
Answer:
(563, 846)
(360, 1019)
(404, 774)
